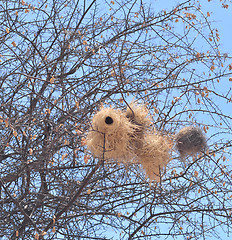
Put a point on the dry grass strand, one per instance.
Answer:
(139, 115)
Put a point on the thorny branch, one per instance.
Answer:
(60, 61)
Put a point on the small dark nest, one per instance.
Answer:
(189, 141)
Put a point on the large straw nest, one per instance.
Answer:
(154, 156)
(189, 141)
(127, 138)
(109, 137)
(138, 116)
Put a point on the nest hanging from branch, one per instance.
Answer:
(110, 135)
(189, 141)
(128, 138)
(154, 156)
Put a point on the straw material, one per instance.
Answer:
(152, 150)
(110, 135)
(138, 116)
(154, 156)
(127, 138)
(189, 141)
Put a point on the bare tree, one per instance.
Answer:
(59, 62)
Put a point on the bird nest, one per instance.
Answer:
(189, 141)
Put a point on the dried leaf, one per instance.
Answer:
(64, 156)
(77, 104)
(212, 68)
(195, 173)
(47, 111)
(230, 67)
(121, 100)
(52, 79)
(86, 158)
(198, 55)
(205, 130)
(83, 142)
(7, 122)
(43, 233)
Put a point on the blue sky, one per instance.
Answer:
(221, 17)
(222, 20)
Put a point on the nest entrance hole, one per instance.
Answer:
(109, 120)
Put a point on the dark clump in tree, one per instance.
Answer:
(60, 62)
(190, 140)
